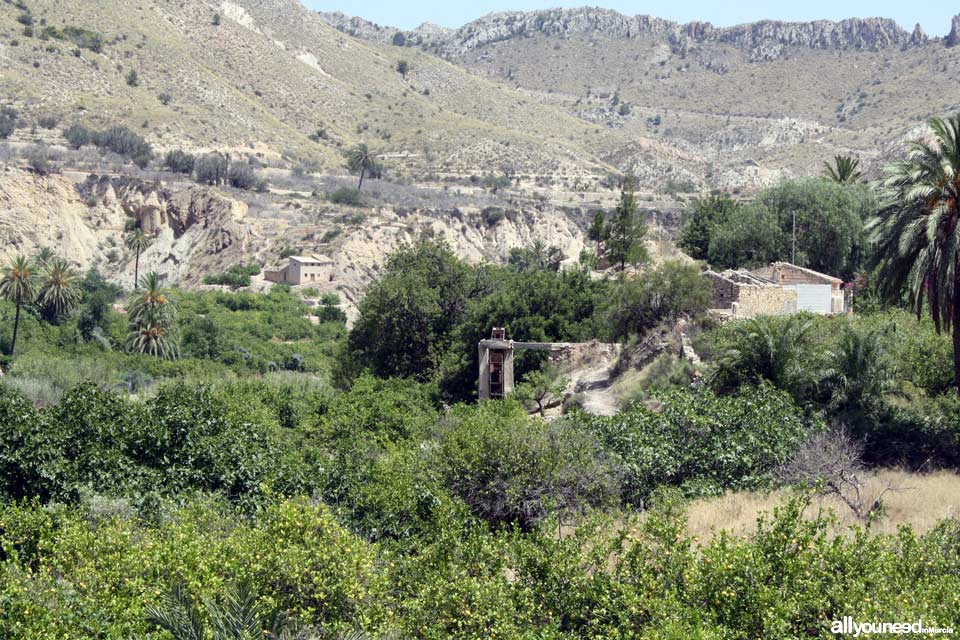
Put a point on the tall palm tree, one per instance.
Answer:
(153, 301)
(151, 316)
(917, 230)
(17, 286)
(362, 160)
(137, 241)
(845, 170)
(60, 293)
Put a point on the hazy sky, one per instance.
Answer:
(933, 15)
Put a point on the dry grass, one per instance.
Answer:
(920, 501)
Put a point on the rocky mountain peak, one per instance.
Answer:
(953, 38)
(918, 36)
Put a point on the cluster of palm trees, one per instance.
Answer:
(47, 281)
(916, 233)
(49, 284)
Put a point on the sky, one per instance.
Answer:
(933, 15)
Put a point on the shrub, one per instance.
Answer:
(165, 98)
(510, 468)
(346, 195)
(8, 122)
(38, 159)
(78, 136)
(179, 161)
(211, 168)
(664, 294)
(236, 276)
(701, 441)
(47, 122)
(241, 176)
(492, 216)
(132, 78)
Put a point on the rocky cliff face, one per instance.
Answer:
(195, 231)
(761, 40)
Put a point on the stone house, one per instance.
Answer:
(776, 289)
(311, 269)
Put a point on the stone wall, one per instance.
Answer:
(755, 300)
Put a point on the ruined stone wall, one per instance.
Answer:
(756, 301)
(725, 292)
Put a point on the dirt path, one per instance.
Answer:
(590, 371)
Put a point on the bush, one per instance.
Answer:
(211, 168)
(38, 159)
(236, 276)
(492, 216)
(48, 122)
(703, 442)
(8, 122)
(132, 78)
(165, 98)
(513, 469)
(242, 176)
(179, 161)
(78, 136)
(664, 294)
(346, 195)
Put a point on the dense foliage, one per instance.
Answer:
(826, 216)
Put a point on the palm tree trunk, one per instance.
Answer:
(16, 326)
(136, 271)
(363, 170)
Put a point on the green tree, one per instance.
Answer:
(599, 232)
(862, 372)
(627, 229)
(750, 237)
(703, 217)
(537, 256)
(542, 387)
(362, 160)
(916, 232)
(60, 292)
(137, 241)
(44, 256)
(664, 294)
(17, 286)
(844, 170)
(829, 220)
(407, 316)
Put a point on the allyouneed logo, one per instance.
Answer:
(847, 626)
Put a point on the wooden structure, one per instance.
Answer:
(496, 362)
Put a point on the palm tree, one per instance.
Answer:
(845, 170)
(238, 617)
(862, 372)
(137, 241)
(44, 256)
(152, 321)
(59, 293)
(152, 301)
(361, 159)
(17, 286)
(917, 230)
(775, 349)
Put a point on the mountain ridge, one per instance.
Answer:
(763, 39)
